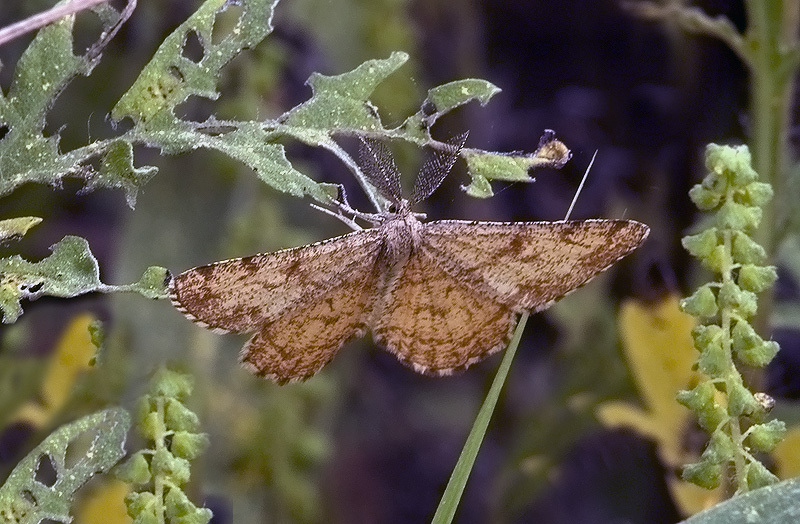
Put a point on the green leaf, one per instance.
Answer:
(340, 103)
(170, 78)
(485, 166)
(45, 68)
(447, 97)
(250, 145)
(69, 271)
(775, 504)
(98, 442)
(443, 99)
(16, 228)
(117, 170)
(153, 283)
(42, 73)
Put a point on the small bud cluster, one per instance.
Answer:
(162, 471)
(721, 401)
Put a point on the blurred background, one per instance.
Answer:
(368, 440)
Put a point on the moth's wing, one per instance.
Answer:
(244, 294)
(434, 323)
(529, 265)
(299, 342)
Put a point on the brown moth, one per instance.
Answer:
(439, 295)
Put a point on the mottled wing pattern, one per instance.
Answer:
(298, 343)
(528, 265)
(245, 294)
(435, 324)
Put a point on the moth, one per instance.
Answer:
(439, 295)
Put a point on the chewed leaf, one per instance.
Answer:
(71, 270)
(43, 484)
(16, 228)
(485, 166)
(43, 71)
(249, 144)
(446, 97)
(340, 103)
(170, 77)
(153, 283)
(117, 170)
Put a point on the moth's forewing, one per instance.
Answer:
(528, 265)
(244, 294)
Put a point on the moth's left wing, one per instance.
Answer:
(529, 265)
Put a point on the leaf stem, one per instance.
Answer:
(458, 479)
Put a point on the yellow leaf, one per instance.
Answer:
(787, 454)
(105, 504)
(660, 352)
(658, 345)
(70, 359)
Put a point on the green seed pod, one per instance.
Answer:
(745, 250)
(759, 476)
(702, 244)
(188, 445)
(741, 401)
(704, 474)
(139, 503)
(177, 504)
(760, 355)
(704, 198)
(757, 278)
(180, 418)
(702, 304)
(737, 300)
(171, 384)
(764, 437)
(135, 470)
(758, 193)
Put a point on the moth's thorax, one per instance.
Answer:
(402, 231)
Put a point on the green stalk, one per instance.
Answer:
(458, 479)
(770, 55)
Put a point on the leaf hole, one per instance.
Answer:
(227, 18)
(176, 72)
(80, 448)
(4, 129)
(28, 497)
(46, 472)
(31, 288)
(193, 48)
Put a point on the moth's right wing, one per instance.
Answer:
(244, 294)
(529, 265)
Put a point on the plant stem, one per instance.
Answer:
(158, 480)
(733, 378)
(458, 479)
(771, 41)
